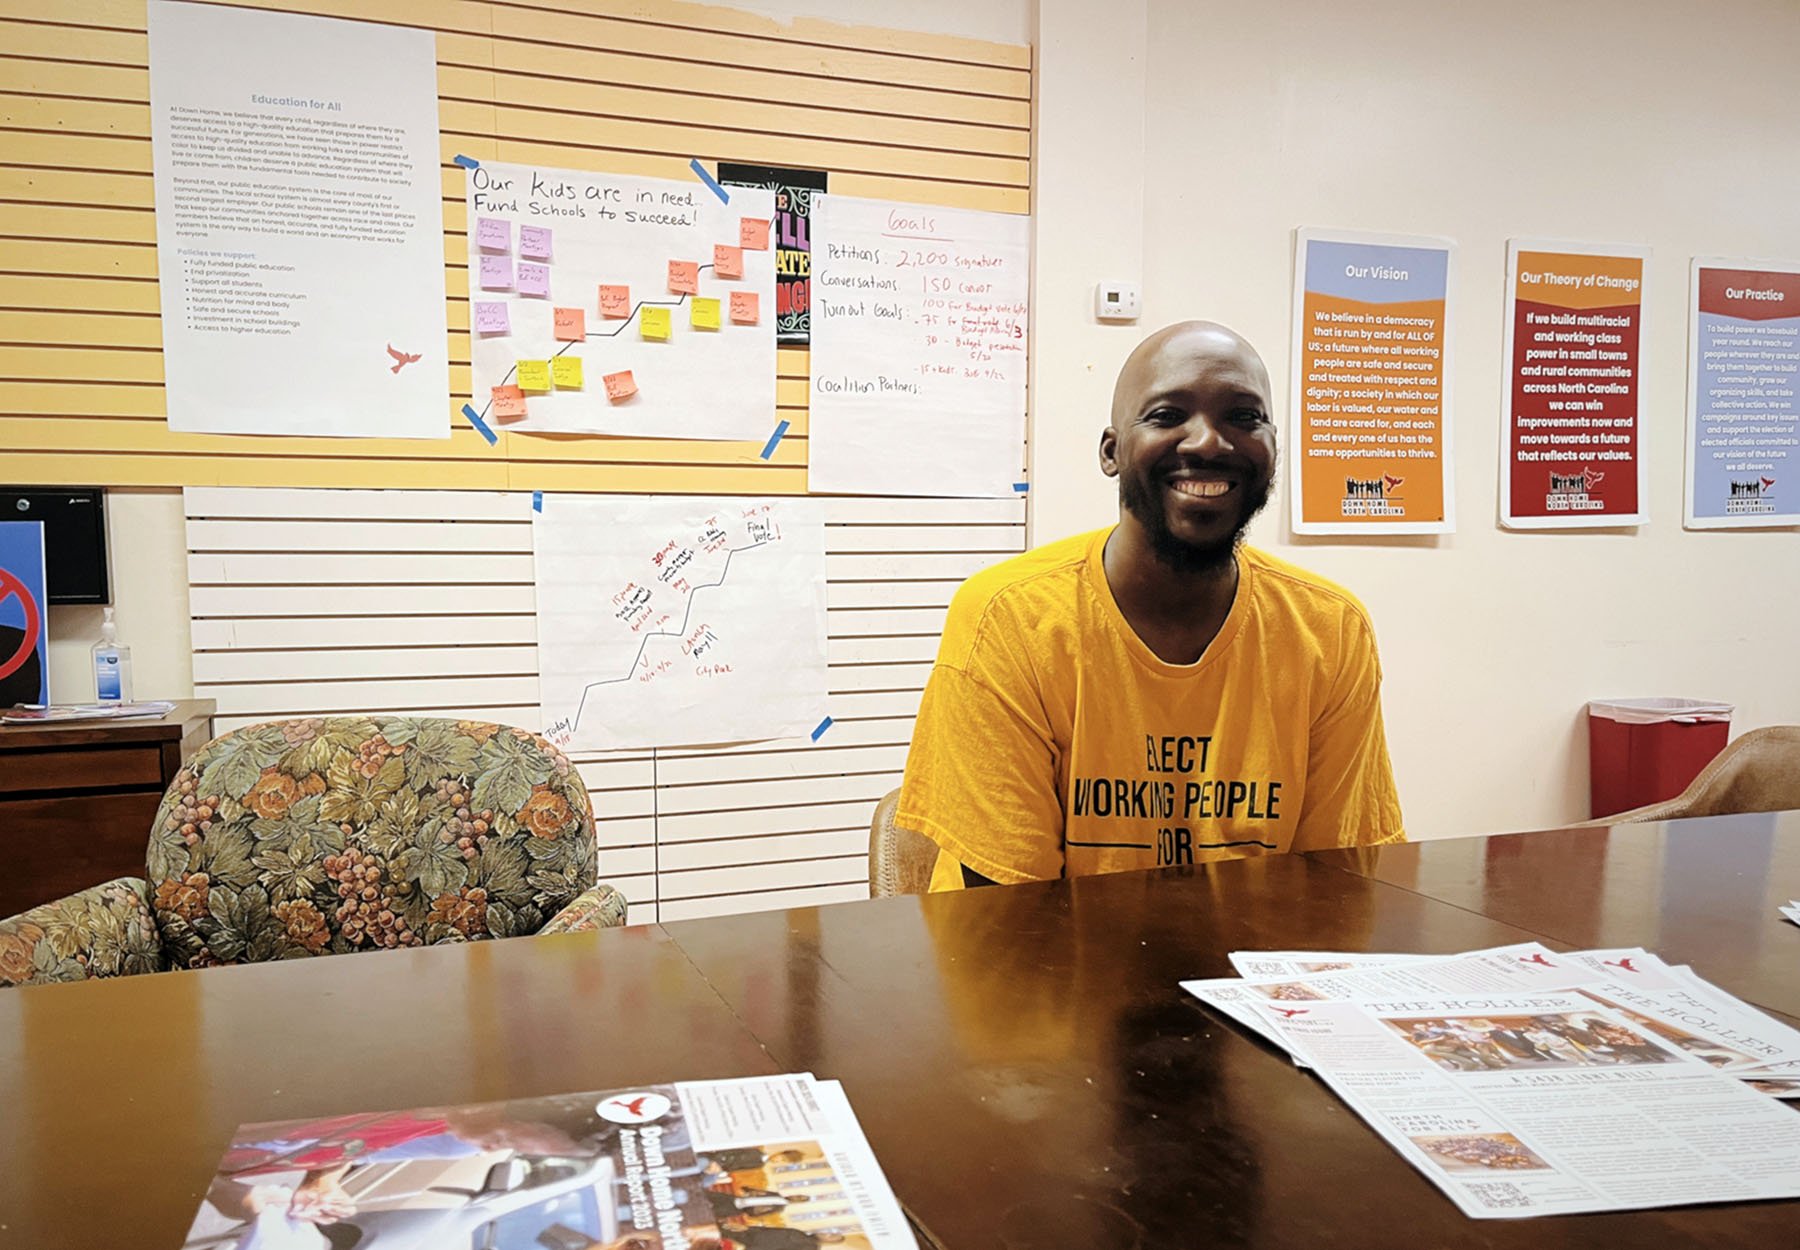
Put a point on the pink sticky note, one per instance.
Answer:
(493, 234)
(496, 273)
(509, 401)
(744, 310)
(684, 277)
(753, 234)
(620, 386)
(569, 325)
(491, 317)
(534, 279)
(615, 301)
(534, 241)
(728, 262)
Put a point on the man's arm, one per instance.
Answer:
(1351, 799)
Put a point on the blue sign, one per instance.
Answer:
(24, 620)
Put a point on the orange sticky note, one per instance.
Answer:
(569, 325)
(653, 323)
(615, 301)
(509, 401)
(620, 386)
(753, 234)
(703, 313)
(728, 262)
(684, 277)
(744, 308)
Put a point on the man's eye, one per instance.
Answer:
(1248, 417)
(1164, 416)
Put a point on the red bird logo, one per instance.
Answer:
(1768, 483)
(1620, 963)
(401, 359)
(1391, 482)
(1288, 1013)
(1536, 959)
(1593, 477)
(635, 1107)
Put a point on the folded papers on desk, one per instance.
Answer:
(1525, 1082)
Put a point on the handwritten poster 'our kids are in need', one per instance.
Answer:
(609, 304)
(918, 349)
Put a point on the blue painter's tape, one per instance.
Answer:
(537, 501)
(709, 180)
(481, 427)
(467, 162)
(1021, 487)
(820, 731)
(774, 440)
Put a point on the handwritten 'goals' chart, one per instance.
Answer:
(679, 621)
(607, 304)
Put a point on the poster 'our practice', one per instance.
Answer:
(1572, 442)
(1370, 359)
(1743, 410)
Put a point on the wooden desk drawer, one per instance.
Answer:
(82, 768)
(56, 846)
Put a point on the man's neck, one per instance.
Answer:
(1176, 614)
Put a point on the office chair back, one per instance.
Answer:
(900, 860)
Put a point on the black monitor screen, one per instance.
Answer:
(74, 537)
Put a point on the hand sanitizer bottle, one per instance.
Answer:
(112, 664)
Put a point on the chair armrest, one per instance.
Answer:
(601, 907)
(102, 931)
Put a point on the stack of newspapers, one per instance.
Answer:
(767, 1163)
(1525, 1082)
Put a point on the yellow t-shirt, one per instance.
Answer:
(1053, 742)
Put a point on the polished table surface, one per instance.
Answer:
(1023, 1062)
(1701, 892)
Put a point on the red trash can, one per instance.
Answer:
(1647, 750)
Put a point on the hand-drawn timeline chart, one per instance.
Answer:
(679, 620)
(918, 349)
(606, 304)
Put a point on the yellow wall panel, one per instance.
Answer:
(635, 87)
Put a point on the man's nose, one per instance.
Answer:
(1202, 436)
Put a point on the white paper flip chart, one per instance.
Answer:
(918, 349)
(679, 621)
(642, 277)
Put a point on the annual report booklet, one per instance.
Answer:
(763, 1163)
(1525, 1082)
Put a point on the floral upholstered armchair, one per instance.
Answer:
(330, 835)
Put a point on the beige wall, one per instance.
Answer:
(1655, 123)
(1180, 141)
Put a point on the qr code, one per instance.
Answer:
(1498, 1196)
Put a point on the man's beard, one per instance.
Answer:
(1178, 554)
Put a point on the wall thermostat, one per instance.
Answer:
(1117, 301)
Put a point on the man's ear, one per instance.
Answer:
(1109, 452)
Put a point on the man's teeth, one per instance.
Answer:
(1205, 488)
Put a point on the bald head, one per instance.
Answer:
(1185, 342)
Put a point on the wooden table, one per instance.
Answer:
(1021, 1058)
(1701, 892)
(77, 800)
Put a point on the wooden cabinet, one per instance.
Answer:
(76, 801)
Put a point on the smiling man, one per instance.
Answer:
(1154, 693)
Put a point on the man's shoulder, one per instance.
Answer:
(1317, 602)
(1029, 587)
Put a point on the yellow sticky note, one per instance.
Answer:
(654, 323)
(744, 307)
(534, 375)
(705, 313)
(566, 370)
(509, 401)
(569, 325)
